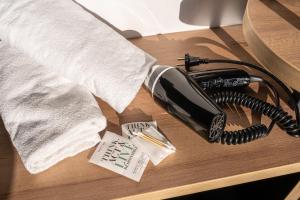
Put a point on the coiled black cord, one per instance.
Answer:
(283, 119)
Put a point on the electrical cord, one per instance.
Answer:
(190, 61)
(274, 112)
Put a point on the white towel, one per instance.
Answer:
(64, 37)
(47, 117)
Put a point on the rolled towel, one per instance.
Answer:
(64, 37)
(47, 117)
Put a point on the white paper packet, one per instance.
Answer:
(129, 128)
(120, 155)
(155, 152)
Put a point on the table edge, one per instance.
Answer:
(217, 183)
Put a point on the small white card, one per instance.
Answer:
(120, 155)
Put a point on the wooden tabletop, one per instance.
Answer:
(196, 166)
(272, 29)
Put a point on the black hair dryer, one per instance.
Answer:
(195, 98)
(183, 98)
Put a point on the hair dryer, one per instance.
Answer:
(180, 96)
(194, 98)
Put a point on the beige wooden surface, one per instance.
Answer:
(272, 30)
(196, 166)
(295, 193)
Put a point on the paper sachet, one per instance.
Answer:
(155, 152)
(129, 128)
(120, 155)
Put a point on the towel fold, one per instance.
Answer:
(70, 41)
(47, 117)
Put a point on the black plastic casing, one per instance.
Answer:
(221, 78)
(183, 98)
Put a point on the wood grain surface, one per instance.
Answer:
(272, 30)
(196, 166)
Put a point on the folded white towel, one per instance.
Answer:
(75, 44)
(47, 117)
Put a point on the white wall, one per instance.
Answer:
(149, 17)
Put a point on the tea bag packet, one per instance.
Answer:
(155, 144)
(129, 128)
(120, 155)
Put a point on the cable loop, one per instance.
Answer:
(283, 119)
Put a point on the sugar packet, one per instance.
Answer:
(120, 155)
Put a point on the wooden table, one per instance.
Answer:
(196, 166)
(272, 30)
